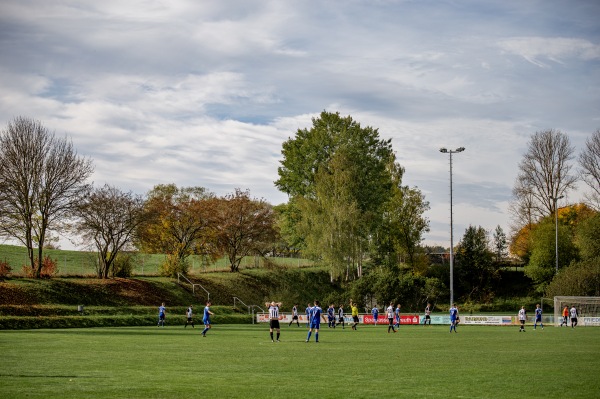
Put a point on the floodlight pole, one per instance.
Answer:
(446, 151)
(556, 229)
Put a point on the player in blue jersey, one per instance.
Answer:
(206, 318)
(161, 315)
(295, 315)
(331, 316)
(308, 314)
(538, 316)
(315, 322)
(375, 313)
(390, 315)
(453, 317)
(397, 312)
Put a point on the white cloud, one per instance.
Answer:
(540, 50)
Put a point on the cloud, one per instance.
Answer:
(540, 50)
(204, 93)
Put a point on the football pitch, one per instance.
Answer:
(240, 361)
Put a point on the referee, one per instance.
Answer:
(274, 318)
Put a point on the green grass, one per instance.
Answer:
(240, 361)
(82, 263)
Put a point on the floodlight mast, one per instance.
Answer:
(444, 150)
(556, 229)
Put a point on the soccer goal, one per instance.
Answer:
(588, 309)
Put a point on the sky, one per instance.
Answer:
(204, 93)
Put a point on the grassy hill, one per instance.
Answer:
(83, 263)
(44, 303)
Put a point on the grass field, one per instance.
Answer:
(83, 263)
(240, 361)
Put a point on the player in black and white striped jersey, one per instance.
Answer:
(295, 315)
(274, 318)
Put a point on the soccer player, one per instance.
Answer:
(375, 313)
(308, 314)
(189, 314)
(398, 316)
(522, 318)
(315, 322)
(565, 315)
(295, 315)
(274, 318)
(206, 318)
(538, 316)
(161, 315)
(331, 316)
(574, 315)
(341, 315)
(354, 314)
(390, 316)
(453, 317)
(427, 314)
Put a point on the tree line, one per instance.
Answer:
(348, 208)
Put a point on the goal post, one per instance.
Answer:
(588, 309)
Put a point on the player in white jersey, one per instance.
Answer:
(390, 315)
(427, 314)
(574, 315)
(189, 314)
(295, 315)
(274, 318)
(522, 318)
(341, 316)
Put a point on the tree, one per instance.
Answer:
(500, 243)
(588, 237)
(244, 226)
(544, 172)
(589, 160)
(542, 263)
(330, 170)
(474, 264)
(108, 218)
(407, 223)
(42, 180)
(178, 222)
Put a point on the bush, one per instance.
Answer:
(5, 269)
(49, 268)
(123, 265)
(174, 265)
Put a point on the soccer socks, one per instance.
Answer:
(308, 337)
(317, 336)
(204, 331)
(278, 336)
(271, 333)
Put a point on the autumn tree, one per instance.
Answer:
(42, 180)
(243, 226)
(178, 222)
(108, 218)
(589, 161)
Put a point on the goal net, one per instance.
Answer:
(588, 309)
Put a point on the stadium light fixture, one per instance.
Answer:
(447, 151)
(556, 229)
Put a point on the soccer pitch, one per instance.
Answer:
(240, 361)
